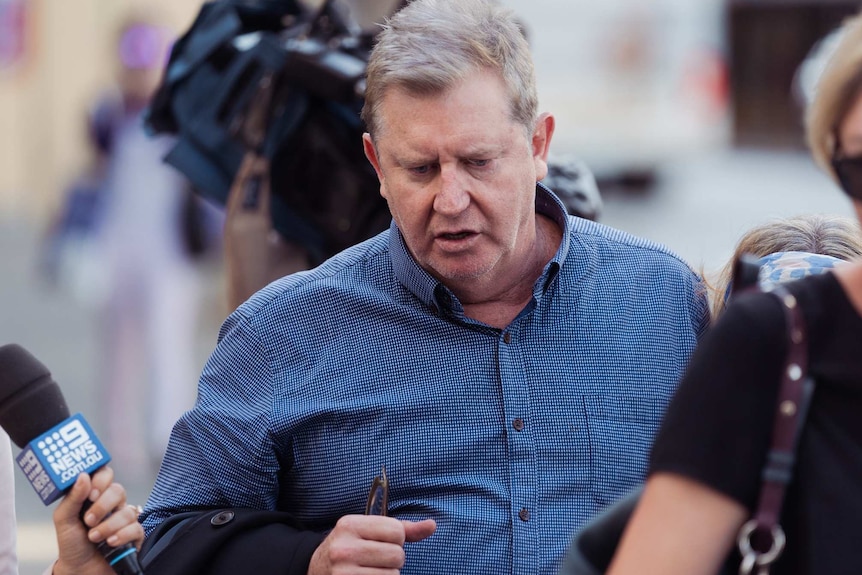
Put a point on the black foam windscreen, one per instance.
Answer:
(30, 400)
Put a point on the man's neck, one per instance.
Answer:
(501, 308)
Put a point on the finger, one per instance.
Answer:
(374, 528)
(361, 570)
(100, 481)
(354, 551)
(419, 530)
(383, 556)
(131, 533)
(120, 527)
(70, 506)
(113, 499)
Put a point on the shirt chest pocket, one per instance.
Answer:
(621, 432)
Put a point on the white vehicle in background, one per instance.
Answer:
(634, 84)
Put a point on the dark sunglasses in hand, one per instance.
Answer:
(849, 172)
(378, 496)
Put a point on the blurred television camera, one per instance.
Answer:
(286, 82)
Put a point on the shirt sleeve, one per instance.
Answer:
(221, 452)
(718, 426)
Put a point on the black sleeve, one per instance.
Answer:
(227, 542)
(718, 426)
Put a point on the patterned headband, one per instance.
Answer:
(788, 266)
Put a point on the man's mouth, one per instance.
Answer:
(455, 236)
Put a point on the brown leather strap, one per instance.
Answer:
(794, 397)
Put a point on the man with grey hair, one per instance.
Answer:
(507, 363)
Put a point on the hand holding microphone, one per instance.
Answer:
(109, 519)
(56, 449)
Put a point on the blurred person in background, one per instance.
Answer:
(707, 460)
(144, 231)
(255, 252)
(820, 241)
(152, 229)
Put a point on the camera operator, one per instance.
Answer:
(255, 253)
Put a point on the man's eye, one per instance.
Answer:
(479, 163)
(421, 170)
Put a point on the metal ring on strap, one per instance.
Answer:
(752, 558)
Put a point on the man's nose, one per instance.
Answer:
(453, 194)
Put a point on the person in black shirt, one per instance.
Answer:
(705, 469)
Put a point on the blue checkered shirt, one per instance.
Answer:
(511, 439)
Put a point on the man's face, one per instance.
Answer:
(459, 176)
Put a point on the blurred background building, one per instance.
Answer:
(56, 58)
(685, 110)
(633, 83)
(767, 43)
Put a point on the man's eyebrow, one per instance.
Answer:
(483, 150)
(404, 158)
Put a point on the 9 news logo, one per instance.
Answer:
(53, 461)
(69, 450)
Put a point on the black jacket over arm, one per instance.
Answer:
(229, 541)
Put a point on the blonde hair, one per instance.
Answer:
(430, 45)
(836, 236)
(835, 92)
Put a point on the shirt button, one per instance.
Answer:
(524, 514)
(518, 424)
(507, 337)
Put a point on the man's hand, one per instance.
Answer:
(367, 544)
(78, 553)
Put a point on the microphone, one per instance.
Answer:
(56, 447)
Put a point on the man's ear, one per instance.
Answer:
(541, 143)
(371, 154)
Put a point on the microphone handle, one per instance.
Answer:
(123, 559)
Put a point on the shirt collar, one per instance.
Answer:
(437, 296)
